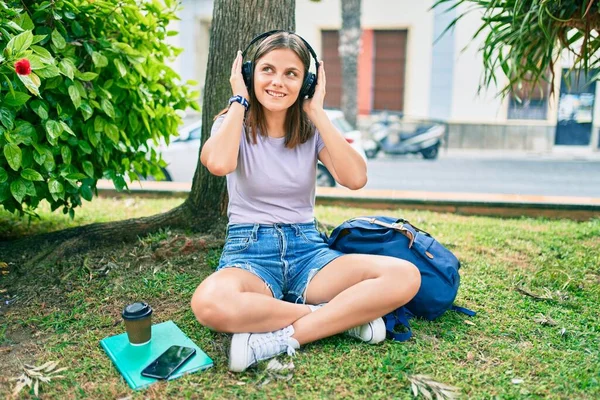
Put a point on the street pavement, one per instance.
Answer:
(463, 171)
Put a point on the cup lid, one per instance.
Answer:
(137, 310)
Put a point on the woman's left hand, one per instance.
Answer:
(315, 104)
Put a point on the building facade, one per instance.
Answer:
(406, 65)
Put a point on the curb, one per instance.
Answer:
(497, 205)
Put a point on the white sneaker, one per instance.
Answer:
(373, 332)
(249, 348)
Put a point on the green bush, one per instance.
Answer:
(83, 89)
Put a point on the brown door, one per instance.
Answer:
(333, 68)
(390, 63)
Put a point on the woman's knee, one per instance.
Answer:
(408, 275)
(208, 305)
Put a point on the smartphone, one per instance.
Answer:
(168, 362)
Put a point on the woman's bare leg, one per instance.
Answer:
(234, 300)
(358, 288)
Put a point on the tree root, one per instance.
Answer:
(61, 244)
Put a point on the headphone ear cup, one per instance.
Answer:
(247, 74)
(309, 85)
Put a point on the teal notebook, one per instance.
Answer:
(131, 360)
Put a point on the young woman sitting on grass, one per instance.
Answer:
(278, 285)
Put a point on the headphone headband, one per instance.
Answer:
(269, 33)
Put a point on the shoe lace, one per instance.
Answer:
(265, 345)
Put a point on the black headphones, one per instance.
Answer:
(310, 80)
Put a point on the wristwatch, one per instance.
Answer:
(239, 99)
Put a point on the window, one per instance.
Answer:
(528, 101)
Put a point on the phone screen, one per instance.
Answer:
(168, 362)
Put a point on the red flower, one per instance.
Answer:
(23, 67)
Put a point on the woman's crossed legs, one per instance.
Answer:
(357, 288)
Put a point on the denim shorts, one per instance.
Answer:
(285, 256)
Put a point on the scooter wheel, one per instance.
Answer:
(431, 153)
(371, 153)
(324, 177)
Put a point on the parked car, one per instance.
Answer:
(181, 155)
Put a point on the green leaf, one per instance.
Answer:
(30, 188)
(58, 40)
(49, 163)
(112, 132)
(65, 152)
(38, 38)
(99, 59)
(49, 72)
(80, 89)
(13, 155)
(36, 62)
(7, 117)
(86, 110)
(19, 43)
(4, 174)
(87, 76)
(40, 108)
(94, 137)
(53, 128)
(31, 175)
(16, 99)
(74, 95)
(39, 158)
(86, 192)
(18, 189)
(67, 68)
(30, 84)
(44, 54)
(26, 22)
(120, 67)
(88, 168)
(55, 186)
(134, 123)
(76, 176)
(107, 107)
(67, 128)
(24, 132)
(85, 147)
(99, 123)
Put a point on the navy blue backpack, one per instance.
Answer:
(398, 238)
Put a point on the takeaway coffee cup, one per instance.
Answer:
(138, 323)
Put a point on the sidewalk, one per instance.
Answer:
(505, 205)
(557, 154)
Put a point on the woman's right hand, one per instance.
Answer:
(237, 80)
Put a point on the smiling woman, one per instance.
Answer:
(275, 262)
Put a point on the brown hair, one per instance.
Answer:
(298, 128)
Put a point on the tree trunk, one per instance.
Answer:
(349, 50)
(234, 24)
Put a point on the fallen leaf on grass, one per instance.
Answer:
(32, 376)
(546, 296)
(428, 387)
(544, 320)
(563, 331)
(470, 322)
(276, 371)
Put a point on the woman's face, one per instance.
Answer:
(278, 78)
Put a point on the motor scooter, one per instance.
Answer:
(399, 135)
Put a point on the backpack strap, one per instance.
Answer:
(395, 226)
(463, 310)
(394, 318)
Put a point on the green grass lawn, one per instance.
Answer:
(518, 346)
